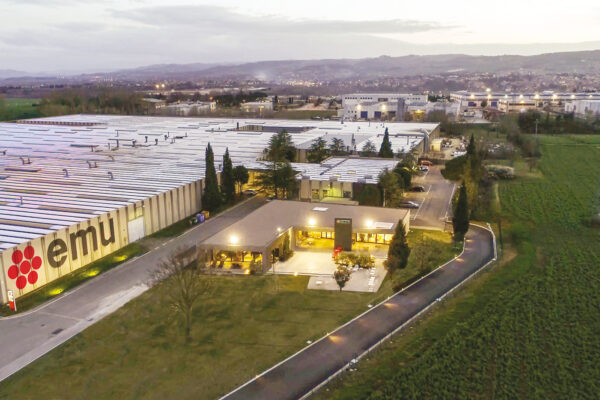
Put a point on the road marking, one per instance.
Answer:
(450, 201)
(61, 316)
(423, 202)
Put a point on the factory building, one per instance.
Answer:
(74, 189)
(509, 102)
(584, 108)
(376, 106)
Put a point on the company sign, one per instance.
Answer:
(47, 258)
(57, 251)
(343, 234)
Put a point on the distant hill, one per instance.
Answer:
(160, 71)
(584, 62)
(11, 73)
(572, 62)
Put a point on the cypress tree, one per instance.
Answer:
(398, 251)
(211, 198)
(385, 150)
(471, 147)
(460, 221)
(227, 179)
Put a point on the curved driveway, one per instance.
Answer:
(299, 374)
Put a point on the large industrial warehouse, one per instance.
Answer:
(77, 188)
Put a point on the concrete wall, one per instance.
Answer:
(52, 256)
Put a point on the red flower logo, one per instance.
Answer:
(25, 264)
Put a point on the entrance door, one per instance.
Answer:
(135, 229)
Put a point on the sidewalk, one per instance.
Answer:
(26, 337)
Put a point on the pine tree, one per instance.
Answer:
(211, 198)
(398, 251)
(460, 221)
(385, 150)
(227, 179)
(240, 176)
(318, 151)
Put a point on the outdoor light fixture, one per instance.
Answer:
(278, 229)
(234, 240)
(312, 222)
(369, 223)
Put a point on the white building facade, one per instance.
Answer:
(378, 105)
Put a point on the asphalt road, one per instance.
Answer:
(302, 372)
(435, 202)
(26, 337)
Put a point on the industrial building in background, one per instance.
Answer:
(376, 106)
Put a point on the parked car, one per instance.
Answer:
(249, 192)
(424, 168)
(417, 188)
(409, 204)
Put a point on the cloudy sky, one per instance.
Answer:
(102, 35)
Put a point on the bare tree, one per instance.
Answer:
(184, 284)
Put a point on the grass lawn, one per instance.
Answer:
(243, 328)
(60, 285)
(526, 329)
(12, 109)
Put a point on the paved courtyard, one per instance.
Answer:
(320, 266)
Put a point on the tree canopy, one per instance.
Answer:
(227, 179)
(398, 250)
(211, 198)
(281, 148)
(240, 176)
(460, 220)
(369, 149)
(317, 151)
(385, 150)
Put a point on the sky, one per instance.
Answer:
(72, 36)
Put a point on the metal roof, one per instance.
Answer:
(56, 172)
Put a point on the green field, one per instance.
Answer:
(13, 109)
(243, 328)
(529, 328)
